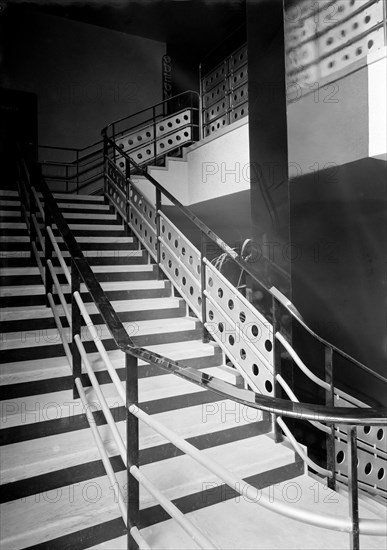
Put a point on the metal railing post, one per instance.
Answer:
(203, 256)
(105, 163)
(330, 402)
(75, 326)
(158, 233)
(132, 447)
(127, 194)
(32, 211)
(48, 248)
(114, 139)
(353, 487)
(154, 134)
(278, 436)
(67, 178)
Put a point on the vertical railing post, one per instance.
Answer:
(67, 178)
(75, 326)
(203, 256)
(154, 134)
(77, 161)
(132, 444)
(105, 163)
(32, 211)
(330, 402)
(114, 140)
(127, 194)
(158, 233)
(276, 363)
(353, 487)
(48, 248)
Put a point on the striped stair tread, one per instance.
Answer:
(50, 463)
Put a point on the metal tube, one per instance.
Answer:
(330, 402)
(132, 448)
(278, 437)
(47, 250)
(75, 326)
(353, 489)
(367, 526)
(60, 292)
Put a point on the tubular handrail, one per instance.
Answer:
(106, 128)
(246, 397)
(307, 411)
(243, 265)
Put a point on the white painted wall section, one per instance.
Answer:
(377, 102)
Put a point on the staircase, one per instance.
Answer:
(54, 491)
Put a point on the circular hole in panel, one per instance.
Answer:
(380, 473)
(163, 255)
(185, 117)
(230, 304)
(367, 19)
(136, 221)
(210, 315)
(255, 369)
(139, 156)
(178, 138)
(148, 134)
(190, 259)
(121, 145)
(199, 301)
(254, 330)
(191, 290)
(221, 327)
(368, 468)
(340, 457)
(220, 293)
(268, 386)
(169, 263)
(170, 141)
(178, 121)
(341, 8)
(355, 25)
(268, 345)
(169, 124)
(210, 282)
(176, 243)
(162, 145)
(331, 64)
(146, 233)
(380, 434)
(184, 281)
(177, 272)
(139, 138)
(359, 51)
(242, 353)
(231, 340)
(186, 134)
(161, 128)
(130, 141)
(148, 151)
(242, 316)
(198, 269)
(367, 429)
(122, 164)
(150, 239)
(370, 43)
(169, 236)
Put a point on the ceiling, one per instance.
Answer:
(195, 25)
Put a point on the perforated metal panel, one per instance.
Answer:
(170, 132)
(142, 219)
(243, 333)
(372, 450)
(324, 37)
(224, 88)
(180, 260)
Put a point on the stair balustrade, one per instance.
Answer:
(225, 313)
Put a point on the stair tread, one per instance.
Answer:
(32, 312)
(113, 268)
(33, 521)
(45, 337)
(26, 290)
(91, 239)
(55, 452)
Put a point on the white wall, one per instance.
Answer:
(377, 99)
(214, 167)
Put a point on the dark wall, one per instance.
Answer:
(84, 76)
(268, 136)
(339, 223)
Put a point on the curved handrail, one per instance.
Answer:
(243, 265)
(307, 411)
(106, 128)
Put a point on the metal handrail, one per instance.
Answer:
(243, 265)
(275, 405)
(173, 98)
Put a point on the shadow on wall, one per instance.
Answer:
(339, 267)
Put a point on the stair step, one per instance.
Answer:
(31, 520)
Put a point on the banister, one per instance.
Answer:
(106, 128)
(307, 411)
(243, 265)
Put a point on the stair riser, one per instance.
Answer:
(40, 299)
(15, 391)
(41, 352)
(28, 325)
